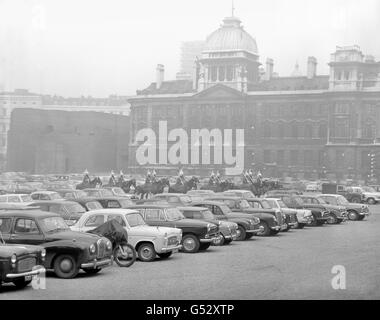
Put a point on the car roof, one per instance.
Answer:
(52, 202)
(210, 202)
(44, 191)
(272, 198)
(15, 194)
(93, 189)
(330, 195)
(192, 208)
(111, 198)
(171, 194)
(36, 213)
(153, 206)
(225, 197)
(112, 211)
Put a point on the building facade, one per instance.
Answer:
(306, 126)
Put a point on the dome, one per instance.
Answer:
(231, 37)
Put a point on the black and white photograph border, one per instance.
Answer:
(189, 150)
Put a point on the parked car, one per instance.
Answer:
(66, 251)
(245, 194)
(70, 211)
(174, 199)
(337, 214)
(313, 187)
(98, 192)
(45, 195)
(285, 220)
(268, 221)
(304, 216)
(16, 200)
(355, 211)
(70, 194)
(248, 226)
(119, 192)
(371, 196)
(89, 203)
(115, 202)
(352, 194)
(320, 216)
(196, 234)
(19, 263)
(276, 193)
(228, 230)
(200, 193)
(147, 240)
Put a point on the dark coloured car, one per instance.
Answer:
(239, 205)
(248, 226)
(89, 203)
(320, 215)
(66, 251)
(196, 234)
(70, 211)
(19, 263)
(337, 214)
(355, 211)
(70, 194)
(174, 199)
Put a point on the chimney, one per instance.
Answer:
(311, 67)
(269, 70)
(159, 75)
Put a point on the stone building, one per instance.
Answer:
(311, 126)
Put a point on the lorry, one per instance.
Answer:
(350, 193)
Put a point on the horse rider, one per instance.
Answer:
(148, 179)
(259, 177)
(154, 176)
(212, 180)
(120, 180)
(86, 177)
(112, 179)
(181, 178)
(217, 178)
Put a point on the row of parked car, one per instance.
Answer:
(50, 229)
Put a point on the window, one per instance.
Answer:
(230, 73)
(213, 73)
(294, 157)
(5, 225)
(280, 157)
(255, 204)
(118, 218)
(222, 73)
(197, 215)
(308, 131)
(26, 226)
(113, 204)
(294, 128)
(152, 214)
(341, 128)
(95, 221)
(44, 197)
(14, 199)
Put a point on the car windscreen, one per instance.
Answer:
(266, 204)
(244, 204)
(107, 193)
(118, 191)
(93, 205)
(281, 204)
(185, 199)
(75, 208)
(53, 224)
(80, 194)
(298, 201)
(272, 203)
(55, 196)
(342, 201)
(125, 203)
(135, 219)
(26, 198)
(174, 214)
(225, 208)
(207, 215)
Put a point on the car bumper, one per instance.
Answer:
(97, 263)
(26, 274)
(207, 240)
(283, 227)
(256, 231)
(168, 249)
(278, 228)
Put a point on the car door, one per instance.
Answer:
(26, 231)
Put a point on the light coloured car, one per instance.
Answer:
(371, 196)
(304, 216)
(245, 194)
(148, 241)
(16, 200)
(45, 196)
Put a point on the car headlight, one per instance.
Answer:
(43, 254)
(275, 219)
(92, 249)
(208, 227)
(109, 245)
(13, 258)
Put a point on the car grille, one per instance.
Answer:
(26, 264)
(279, 218)
(101, 248)
(173, 241)
(293, 218)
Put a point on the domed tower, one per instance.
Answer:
(230, 57)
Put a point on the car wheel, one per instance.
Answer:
(228, 241)
(360, 218)
(165, 255)
(66, 267)
(355, 200)
(242, 233)
(146, 252)
(21, 283)
(353, 215)
(91, 270)
(300, 226)
(287, 228)
(221, 240)
(266, 231)
(371, 201)
(204, 246)
(332, 219)
(314, 222)
(190, 243)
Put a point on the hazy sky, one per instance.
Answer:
(102, 47)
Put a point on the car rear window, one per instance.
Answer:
(5, 225)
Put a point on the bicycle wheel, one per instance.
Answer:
(124, 255)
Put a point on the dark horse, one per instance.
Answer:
(184, 187)
(124, 184)
(96, 182)
(218, 186)
(155, 187)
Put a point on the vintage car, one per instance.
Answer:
(66, 251)
(351, 193)
(19, 263)
(245, 194)
(286, 220)
(268, 221)
(320, 215)
(70, 211)
(16, 200)
(45, 196)
(276, 193)
(174, 199)
(228, 230)
(70, 194)
(200, 193)
(148, 241)
(337, 214)
(304, 216)
(115, 202)
(248, 226)
(88, 203)
(371, 196)
(98, 192)
(196, 234)
(355, 211)
(119, 192)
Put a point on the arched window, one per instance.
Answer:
(308, 131)
(323, 130)
(222, 73)
(281, 129)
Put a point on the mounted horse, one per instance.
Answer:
(219, 186)
(95, 183)
(154, 187)
(182, 185)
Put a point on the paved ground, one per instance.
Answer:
(294, 265)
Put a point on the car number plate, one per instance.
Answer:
(28, 278)
(175, 251)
